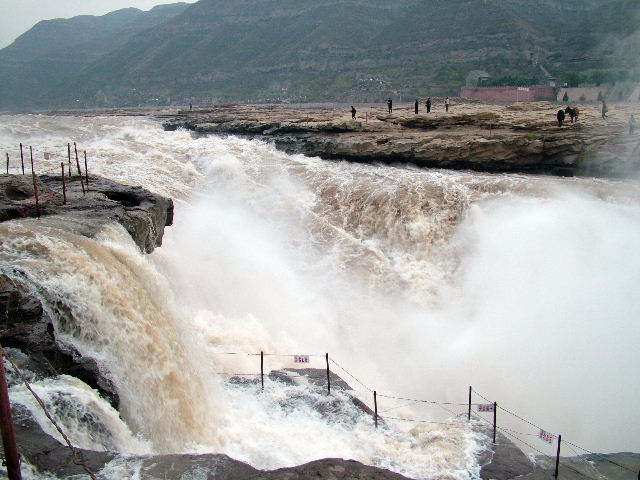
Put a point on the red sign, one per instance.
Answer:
(301, 358)
(546, 437)
(487, 407)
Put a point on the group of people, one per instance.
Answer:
(572, 112)
(427, 106)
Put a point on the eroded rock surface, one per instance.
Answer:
(518, 138)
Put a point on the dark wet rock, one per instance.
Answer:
(46, 454)
(143, 214)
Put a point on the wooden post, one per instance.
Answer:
(328, 379)
(7, 164)
(469, 414)
(375, 408)
(22, 158)
(262, 369)
(69, 158)
(495, 418)
(79, 170)
(558, 457)
(11, 454)
(35, 183)
(64, 185)
(86, 170)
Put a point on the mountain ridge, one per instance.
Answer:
(215, 51)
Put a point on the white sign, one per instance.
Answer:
(546, 437)
(523, 89)
(487, 407)
(301, 358)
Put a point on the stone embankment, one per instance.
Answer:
(519, 138)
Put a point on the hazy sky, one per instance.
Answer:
(18, 16)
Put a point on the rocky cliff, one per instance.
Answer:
(520, 138)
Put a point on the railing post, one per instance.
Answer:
(328, 379)
(22, 158)
(262, 369)
(7, 164)
(558, 457)
(64, 185)
(469, 414)
(375, 408)
(35, 183)
(495, 420)
(69, 159)
(11, 454)
(75, 147)
(86, 170)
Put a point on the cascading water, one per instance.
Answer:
(418, 282)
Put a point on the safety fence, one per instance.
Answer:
(24, 158)
(20, 158)
(472, 411)
(477, 408)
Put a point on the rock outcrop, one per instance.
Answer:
(475, 136)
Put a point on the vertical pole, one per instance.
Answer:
(495, 418)
(35, 183)
(12, 456)
(22, 158)
(7, 164)
(75, 147)
(558, 457)
(375, 407)
(262, 369)
(69, 158)
(469, 414)
(86, 170)
(64, 185)
(328, 379)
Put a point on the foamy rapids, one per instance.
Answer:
(418, 283)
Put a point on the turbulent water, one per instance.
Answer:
(418, 283)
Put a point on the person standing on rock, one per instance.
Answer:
(446, 104)
(560, 117)
(604, 110)
(428, 105)
(390, 105)
(416, 106)
(353, 113)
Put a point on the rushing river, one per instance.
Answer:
(418, 283)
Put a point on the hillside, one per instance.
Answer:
(316, 50)
(268, 50)
(53, 50)
(612, 37)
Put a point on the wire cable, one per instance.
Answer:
(76, 456)
(345, 371)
